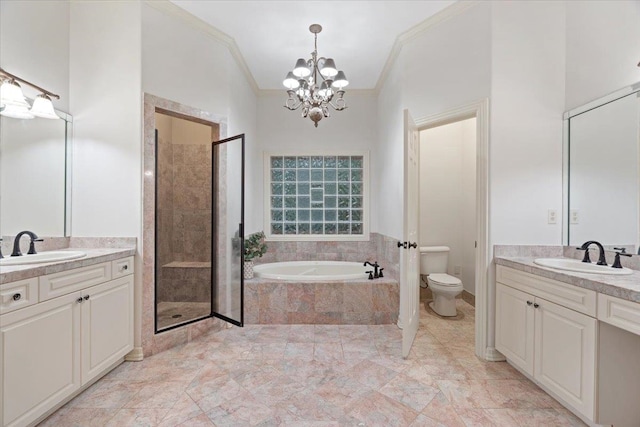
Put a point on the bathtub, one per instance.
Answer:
(312, 271)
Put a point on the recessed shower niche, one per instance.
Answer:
(198, 222)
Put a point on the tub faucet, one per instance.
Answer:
(32, 247)
(585, 247)
(375, 266)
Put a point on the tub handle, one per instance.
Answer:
(370, 274)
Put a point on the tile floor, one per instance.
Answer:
(306, 375)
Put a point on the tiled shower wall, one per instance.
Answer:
(183, 216)
(379, 248)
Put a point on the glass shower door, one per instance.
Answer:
(227, 238)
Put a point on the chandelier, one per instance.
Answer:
(307, 91)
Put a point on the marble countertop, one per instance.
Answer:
(626, 287)
(94, 256)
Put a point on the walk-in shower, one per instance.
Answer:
(198, 222)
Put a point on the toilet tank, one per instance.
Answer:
(434, 259)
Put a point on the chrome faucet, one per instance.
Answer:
(32, 246)
(585, 247)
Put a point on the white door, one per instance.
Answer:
(514, 326)
(409, 256)
(107, 325)
(565, 354)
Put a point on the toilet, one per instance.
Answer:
(445, 288)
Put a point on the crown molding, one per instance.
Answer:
(455, 9)
(194, 22)
(280, 92)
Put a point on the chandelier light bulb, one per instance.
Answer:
(290, 82)
(340, 81)
(328, 68)
(301, 69)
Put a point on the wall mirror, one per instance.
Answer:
(602, 171)
(35, 172)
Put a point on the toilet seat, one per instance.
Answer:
(443, 279)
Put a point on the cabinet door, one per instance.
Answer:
(39, 357)
(107, 325)
(514, 326)
(566, 354)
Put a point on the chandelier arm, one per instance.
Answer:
(338, 106)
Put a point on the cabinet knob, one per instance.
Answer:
(125, 267)
(17, 297)
(86, 297)
(536, 305)
(529, 302)
(79, 300)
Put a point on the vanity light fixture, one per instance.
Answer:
(315, 96)
(14, 104)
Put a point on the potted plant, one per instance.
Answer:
(254, 247)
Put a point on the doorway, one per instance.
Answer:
(483, 293)
(448, 199)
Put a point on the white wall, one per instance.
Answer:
(106, 104)
(34, 45)
(191, 67)
(447, 195)
(603, 48)
(284, 130)
(447, 66)
(527, 102)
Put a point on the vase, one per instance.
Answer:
(248, 269)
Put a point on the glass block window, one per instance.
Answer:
(316, 195)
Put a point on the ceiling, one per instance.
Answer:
(271, 35)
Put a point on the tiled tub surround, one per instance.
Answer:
(521, 258)
(379, 248)
(363, 302)
(332, 302)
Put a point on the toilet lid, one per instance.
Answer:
(444, 279)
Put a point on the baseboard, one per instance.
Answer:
(468, 297)
(135, 355)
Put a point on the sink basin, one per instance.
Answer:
(580, 267)
(51, 256)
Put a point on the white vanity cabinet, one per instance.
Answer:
(49, 350)
(548, 330)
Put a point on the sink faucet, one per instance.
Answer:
(585, 247)
(375, 266)
(32, 247)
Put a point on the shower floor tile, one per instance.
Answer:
(173, 313)
(317, 375)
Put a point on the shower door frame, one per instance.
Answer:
(146, 340)
(214, 234)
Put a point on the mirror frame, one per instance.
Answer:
(614, 96)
